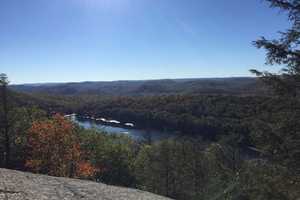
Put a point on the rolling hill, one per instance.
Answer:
(240, 85)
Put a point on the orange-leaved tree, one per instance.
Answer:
(53, 149)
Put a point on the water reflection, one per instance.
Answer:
(128, 129)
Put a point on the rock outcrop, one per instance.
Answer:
(16, 185)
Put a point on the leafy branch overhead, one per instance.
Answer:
(284, 51)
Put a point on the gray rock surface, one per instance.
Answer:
(16, 185)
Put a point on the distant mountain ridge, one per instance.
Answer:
(236, 85)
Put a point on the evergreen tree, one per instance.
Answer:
(4, 119)
(276, 132)
(279, 135)
(284, 51)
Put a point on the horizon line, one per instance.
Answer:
(131, 80)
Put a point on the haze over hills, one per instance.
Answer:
(237, 85)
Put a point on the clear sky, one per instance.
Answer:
(94, 40)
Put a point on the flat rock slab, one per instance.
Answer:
(16, 185)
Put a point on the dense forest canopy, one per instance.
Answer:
(202, 115)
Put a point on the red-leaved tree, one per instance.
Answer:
(53, 149)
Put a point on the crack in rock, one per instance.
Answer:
(9, 191)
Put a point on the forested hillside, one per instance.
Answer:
(229, 145)
(240, 86)
(208, 116)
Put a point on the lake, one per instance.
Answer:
(135, 133)
(140, 134)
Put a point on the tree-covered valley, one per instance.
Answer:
(234, 138)
(227, 146)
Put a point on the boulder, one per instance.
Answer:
(17, 185)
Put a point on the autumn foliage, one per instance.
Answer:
(53, 149)
(85, 169)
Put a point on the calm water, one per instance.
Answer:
(137, 134)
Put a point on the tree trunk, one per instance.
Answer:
(5, 127)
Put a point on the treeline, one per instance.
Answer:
(206, 116)
(203, 115)
(238, 86)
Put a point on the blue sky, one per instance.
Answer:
(96, 40)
